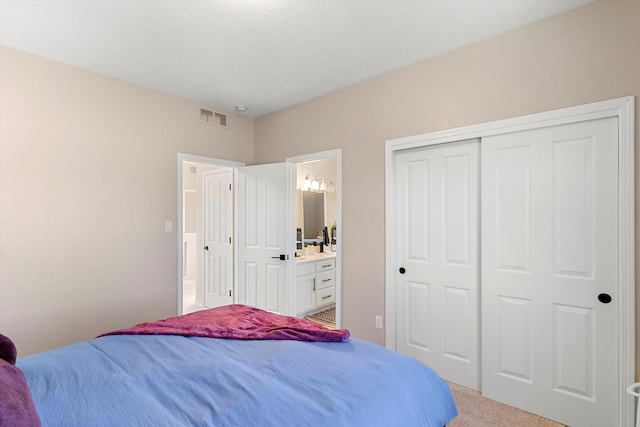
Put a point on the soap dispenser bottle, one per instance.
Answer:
(333, 239)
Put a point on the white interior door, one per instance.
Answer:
(265, 236)
(549, 249)
(437, 259)
(217, 232)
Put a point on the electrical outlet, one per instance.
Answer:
(168, 226)
(379, 322)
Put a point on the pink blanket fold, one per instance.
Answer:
(239, 322)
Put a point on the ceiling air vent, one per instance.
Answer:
(213, 118)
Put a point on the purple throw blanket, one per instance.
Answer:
(238, 322)
(16, 405)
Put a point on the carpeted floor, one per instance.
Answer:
(477, 411)
(325, 318)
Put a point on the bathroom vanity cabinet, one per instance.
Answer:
(315, 283)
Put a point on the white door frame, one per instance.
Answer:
(323, 155)
(623, 109)
(182, 157)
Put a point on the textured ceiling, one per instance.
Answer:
(265, 54)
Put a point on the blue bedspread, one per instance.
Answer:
(187, 381)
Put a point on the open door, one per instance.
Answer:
(217, 249)
(265, 237)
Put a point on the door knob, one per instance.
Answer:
(604, 298)
(206, 248)
(402, 270)
(281, 257)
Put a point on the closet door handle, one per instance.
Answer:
(206, 248)
(402, 270)
(604, 298)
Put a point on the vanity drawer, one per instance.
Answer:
(304, 269)
(325, 296)
(325, 279)
(327, 264)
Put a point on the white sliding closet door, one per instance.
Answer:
(437, 258)
(549, 265)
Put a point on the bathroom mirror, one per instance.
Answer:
(316, 209)
(313, 213)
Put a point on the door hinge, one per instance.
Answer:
(229, 187)
(229, 239)
(229, 292)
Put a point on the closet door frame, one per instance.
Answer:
(623, 109)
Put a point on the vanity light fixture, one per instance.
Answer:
(323, 183)
(317, 185)
(306, 184)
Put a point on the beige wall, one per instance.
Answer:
(88, 164)
(586, 55)
(88, 176)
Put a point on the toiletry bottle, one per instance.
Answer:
(333, 239)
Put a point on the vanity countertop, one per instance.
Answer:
(316, 257)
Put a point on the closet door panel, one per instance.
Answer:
(574, 351)
(456, 220)
(416, 217)
(513, 199)
(437, 248)
(515, 338)
(549, 249)
(573, 192)
(417, 315)
(457, 322)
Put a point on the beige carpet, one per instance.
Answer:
(477, 411)
(325, 318)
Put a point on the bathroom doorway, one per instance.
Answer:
(318, 201)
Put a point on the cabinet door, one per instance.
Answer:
(305, 294)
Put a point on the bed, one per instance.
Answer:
(233, 366)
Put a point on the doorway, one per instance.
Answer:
(194, 298)
(318, 288)
(191, 234)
